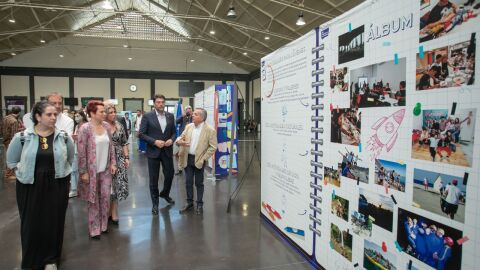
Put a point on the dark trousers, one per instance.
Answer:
(154, 170)
(192, 172)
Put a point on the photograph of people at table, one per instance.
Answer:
(379, 85)
(446, 17)
(448, 66)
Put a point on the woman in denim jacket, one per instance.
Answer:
(42, 157)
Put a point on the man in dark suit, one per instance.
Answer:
(157, 128)
(126, 123)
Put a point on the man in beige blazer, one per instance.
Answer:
(198, 143)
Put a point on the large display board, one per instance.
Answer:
(286, 89)
(391, 177)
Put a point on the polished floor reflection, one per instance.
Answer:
(216, 240)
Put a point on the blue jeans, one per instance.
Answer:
(74, 176)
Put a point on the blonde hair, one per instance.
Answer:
(108, 106)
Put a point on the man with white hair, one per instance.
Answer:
(64, 122)
(198, 143)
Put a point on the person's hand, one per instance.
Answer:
(85, 178)
(75, 137)
(127, 163)
(113, 169)
(168, 143)
(182, 142)
(159, 143)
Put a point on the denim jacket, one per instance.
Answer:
(23, 158)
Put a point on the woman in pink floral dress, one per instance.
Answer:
(96, 165)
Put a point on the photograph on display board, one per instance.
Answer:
(440, 137)
(361, 224)
(374, 258)
(379, 85)
(449, 66)
(346, 125)
(378, 207)
(424, 4)
(439, 18)
(351, 45)
(439, 193)
(339, 79)
(341, 241)
(332, 176)
(391, 175)
(429, 241)
(340, 207)
(351, 167)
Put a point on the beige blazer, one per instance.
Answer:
(207, 144)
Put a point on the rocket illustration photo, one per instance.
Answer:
(385, 133)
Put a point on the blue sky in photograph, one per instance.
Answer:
(419, 174)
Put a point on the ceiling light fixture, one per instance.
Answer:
(42, 40)
(130, 58)
(125, 45)
(230, 62)
(267, 38)
(192, 60)
(107, 5)
(200, 49)
(231, 14)
(12, 19)
(300, 20)
(13, 53)
(245, 53)
(61, 55)
(212, 31)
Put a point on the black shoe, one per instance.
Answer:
(155, 210)
(95, 237)
(179, 172)
(199, 210)
(106, 231)
(187, 208)
(168, 199)
(114, 222)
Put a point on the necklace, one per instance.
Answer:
(43, 143)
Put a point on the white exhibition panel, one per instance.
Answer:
(286, 90)
(387, 70)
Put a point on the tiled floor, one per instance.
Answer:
(216, 240)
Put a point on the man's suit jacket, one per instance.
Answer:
(123, 122)
(206, 147)
(150, 131)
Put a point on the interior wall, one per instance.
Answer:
(122, 90)
(91, 87)
(256, 94)
(100, 87)
(15, 86)
(47, 85)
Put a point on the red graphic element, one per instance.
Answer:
(273, 82)
(331, 107)
(385, 133)
(384, 247)
(274, 214)
(462, 240)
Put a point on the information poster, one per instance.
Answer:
(227, 139)
(394, 107)
(286, 100)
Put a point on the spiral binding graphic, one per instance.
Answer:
(317, 142)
